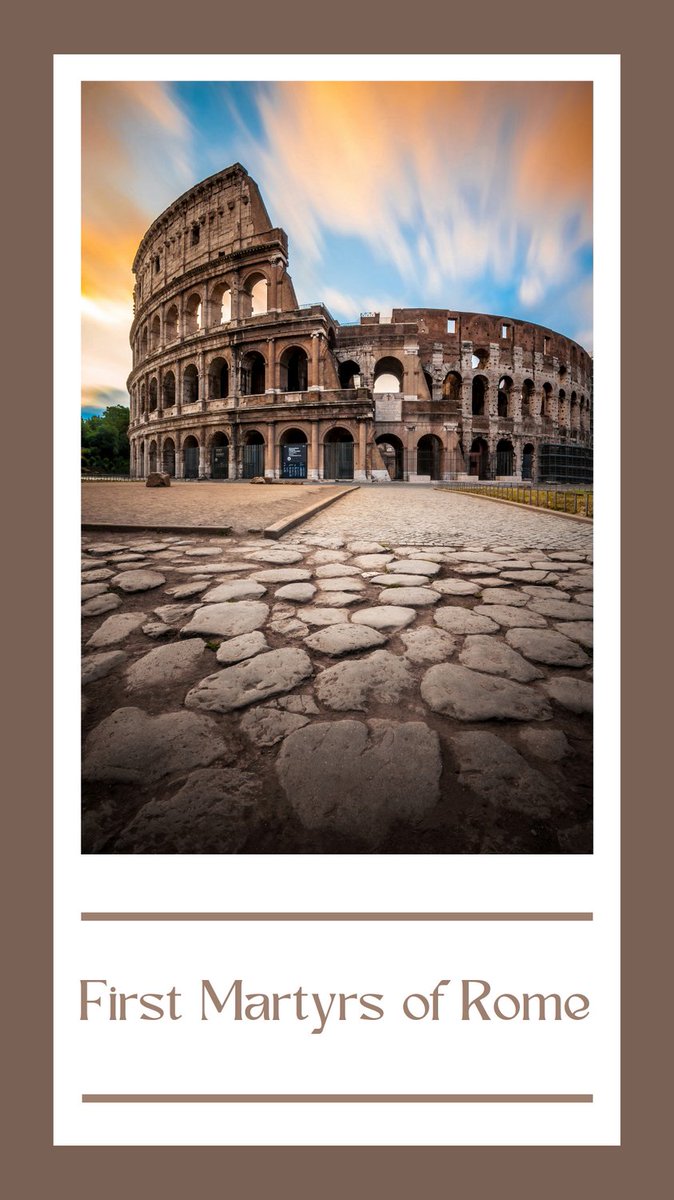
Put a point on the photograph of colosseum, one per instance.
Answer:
(339, 600)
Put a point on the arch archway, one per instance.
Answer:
(155, 332)
(169, 457)
(503, 401)
(293, 444)
(171, 324)
(393, 454)
(219, 456)
(190, 384)
(191, 457)
(169, 390)
(152, 457)
(478, 395)
(505, 458)
(293, 369)
(478, 459)
(349, 374)
(253, 454)
(528, 454)
(193, 322)
(253, 374)
(388, 375)
(153, 394)
(218, 379)
(221, 304)
(546, 401)
(430, 454)
(338, 454)
(528, 398)
(141, 459)
(253, 297)
(451, 387)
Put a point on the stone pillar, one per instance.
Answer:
(231, 462)
(234, 288)
(204, 457)
(452, 464)
(315, 384)
(179, 458)
(272, 296)
(271, 468)
(179, 388)
(314, 466)
(272, 366)
(201, 385)
(160, 392)
(360, 471)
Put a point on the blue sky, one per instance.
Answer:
(473, 196)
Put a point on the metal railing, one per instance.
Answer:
(565, 500)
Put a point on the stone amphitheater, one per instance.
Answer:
(233, 379)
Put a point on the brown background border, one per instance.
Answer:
(494, 27)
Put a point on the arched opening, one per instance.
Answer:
(171, 324)
(155, 332)
(253, 454)
(141, 459)
(528, 461)
(393, 454)
(480, 358)
(218, 379)
(293, 454)
(505, 458)
(546, 401)
(253, 297)
(338, 454)
(153, 395)
(152, 457)
(191, 458)
(503, 400)
(478, 459)
(478, 395)
(143, 404)
(169, 390)
(451, 387)
(219, 456)
(349, 374)
(528, 398)
(562, 410)
(293, 370)
(190, 384)
(143, 343)
(388, 375)
(430, 453)
(169, 457)
(429, 383)
(221, 304)
(253, 374)
(193, 314)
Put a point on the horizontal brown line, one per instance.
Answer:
(326, 1098)
(335, 916)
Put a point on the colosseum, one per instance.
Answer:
(233, 379)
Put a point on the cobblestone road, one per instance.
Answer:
(421, 516)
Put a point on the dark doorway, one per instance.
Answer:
(429, 456)
(393, 454)
(220, 456)
(191, 459)
(478, 459)
(253, 455)
(338, 459)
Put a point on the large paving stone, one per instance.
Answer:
(239, 648)
(562, 610)
(428, 645)
(299, 593)
(357, 777)
(97, 576)
(330, 556)
(411, 597)
(280, 555)
(338, 599)
(96, 666)
(322, 616)
(456, 587)
(115, 629)
(157, 629)
(551, 745)
(474, 696)
(134, 747)
(104, 548)
(344, 583)
(265, 726)
(175, 614)
(488, 654)
(227, 620)
(497, 773)
(574, 694)
(526, 576)
(138, 581)
(547, 646)
(100, 604)
(509, 615)
(508, 596)
(185, 590)
(165, 665)
(236, 589)
(413, 566)
(288, 627)
(355, 686)
(344, 639)
(455, 619)
(482, 569)
(336, 570)
(366, 547)
(385, 616)
(579, 631)
(89, 590)
(203, 552)
(372, 562)
(282, 575)
(213, 813)
(398, 581)
(265, 675)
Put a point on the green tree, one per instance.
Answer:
(105, 442)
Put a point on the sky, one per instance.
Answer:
(466, 196)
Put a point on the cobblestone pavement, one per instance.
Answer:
(242, 507)
(426, 516)
(346, 690)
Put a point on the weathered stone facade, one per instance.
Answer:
(232, 378)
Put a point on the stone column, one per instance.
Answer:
(272, 305)
(204, 457)
(314, 466)
(234, 288)
(231, 461)
(316, 384)
(272, 366)
(271, 468)
(360, 472)
(179, 388)
(179, 458)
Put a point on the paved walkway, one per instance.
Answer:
(242, 507)
(347, 690)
